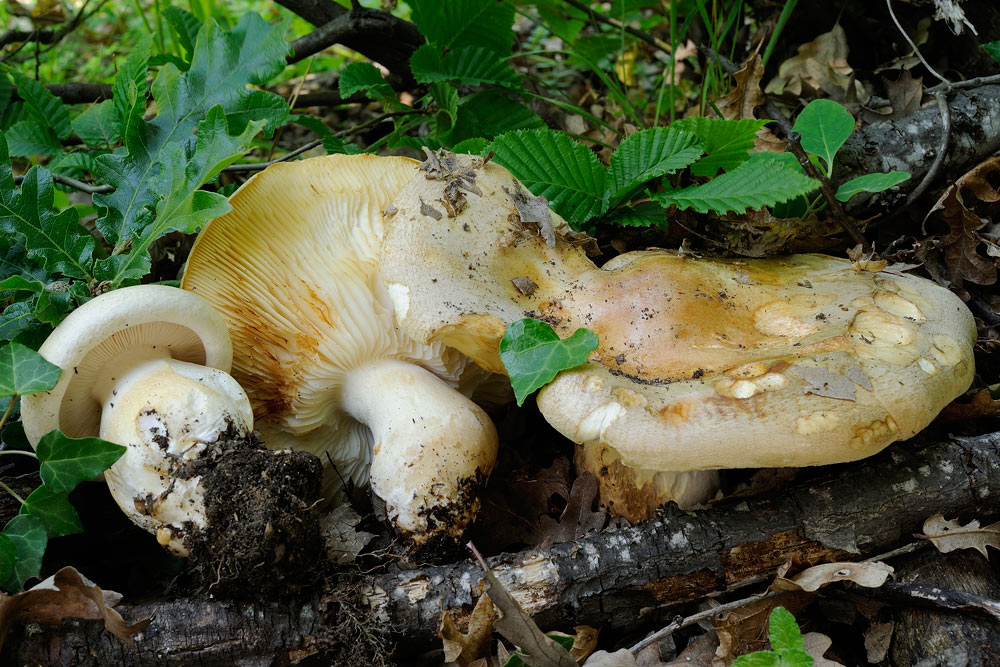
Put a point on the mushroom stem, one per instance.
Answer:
(168, 413)
(433, 450)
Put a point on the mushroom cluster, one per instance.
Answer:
(293, 269)
(146, 367)
(702, 363)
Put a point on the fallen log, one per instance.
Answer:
(619, 579)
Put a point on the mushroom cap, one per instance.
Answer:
(701, 363)
(105, 332)
(293, 269)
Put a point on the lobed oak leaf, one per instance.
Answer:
(740, 102)
(949, 535)
(869, 575)
(473, 644)
(579, 517)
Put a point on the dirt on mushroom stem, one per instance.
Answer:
(262, 533)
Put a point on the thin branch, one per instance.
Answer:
(258, 166)
(968, 83)
(653, 41)
(916, 51)
(75, 184)
(317, 12)
(16, 36)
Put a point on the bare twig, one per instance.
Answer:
(258, 166)
(916, 51)
(968, 83)
(75, 184)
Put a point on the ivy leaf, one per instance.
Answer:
(68, 461)
(646, 155)
(24, 371)
(467, 65)
(554, 166)
(55, 511)
(28, 535)
(763, 180)
(824, 126)
(870, 183)
(98, 125)
(533, 355)
(57, 240)
(726, 143)
(458, 23)
(8, 556)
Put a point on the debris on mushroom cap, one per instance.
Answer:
(293, 269)
(702, 363)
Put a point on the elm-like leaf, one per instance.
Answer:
(55, 511)
(458, 23)
(467, 65)
(42, 105)
(98, 125)
(824, 126)
(365, 78)
(68, 461)
(533, 354)
(726, 143)
(647, 155)
(28, 534)
(870, 183)
(993, 48)
(24, 371)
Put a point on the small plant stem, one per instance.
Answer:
(11, 492)
(18, 451)
(6, 413)
(795, 147)
(786, 13)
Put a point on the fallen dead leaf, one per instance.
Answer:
(579, 517)
(66, 594)
(740, 102)
(951, 535)
(816, 644)
(620, 658)
(342, 539)
(869, 575)
(819, 65)
(904, 95)
(982, 405)
(584, 642)
(472, 644)
(877, 641)
(700, 652)
(746, 629)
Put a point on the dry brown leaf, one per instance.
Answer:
(951, 535)
(584, 642)
(740, 102)
(982, 405)
(869, 575)
(700, 652)
(877, 640)
(342, 539)
(746, 629)
(513, 510)
(579, 517)
(465, 647)
(816, 644)
(904, 95)
(66, 594)
(517, 626)
(819, 65)
(620, 658)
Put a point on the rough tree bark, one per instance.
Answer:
(618, 579)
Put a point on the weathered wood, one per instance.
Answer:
(616, 579)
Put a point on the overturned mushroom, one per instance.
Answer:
(293, 270)
(702, 363)
(145, 367)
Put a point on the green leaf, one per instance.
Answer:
(57, 240)
(993, 48)
(474, 146)
(68, 461)
(758, 659)
(29, 137)
(533, 354)
(458, 23)
(185, 25)
(489, 113)
(55, 511)
(98, 125)
(824, 126)
(644, 214)
(54, 303)
(795, 657)
(16, 317)
(726, 143)
(24, 371)
(784, 631)
(18, 283)
(467, 65)
(222, 67)
(8, 557)
(870, 183)
(445, 98)
(28, 535)
(42, 105)
(646, 155)
(554, 166)
(365, 78)
(763, 180)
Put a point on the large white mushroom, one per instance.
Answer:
(293, 270)
(146, 367)
(702, 363)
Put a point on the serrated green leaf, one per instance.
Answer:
(98, 125)
(445, 98)
(993, 48)
(870, 183)
(474, 146)
(30, 137)
(28, 535)
(42, 105)
(794, 657)
(458, 23)
(824, 126)
(185, 25)
(726, 143)
(16, 318)
(644, 214)
(533, 355)
(6, 92)
(467, 65)
(365, 78)
(222, 66)
(68, 461)
(55, 511)
(646, 155)
(763, 180)
(8, 557)
(554, 166)
(758, 659)
(24, 371)
(489, 113)
(57, 241)
(128, 92)
(784, 631)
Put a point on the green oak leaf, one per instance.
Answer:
(28, 534)
(54, 510)
(24, 371)
(533, 354)
(68, 461)
(824, 126)
(8, 557)
(870, 183)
